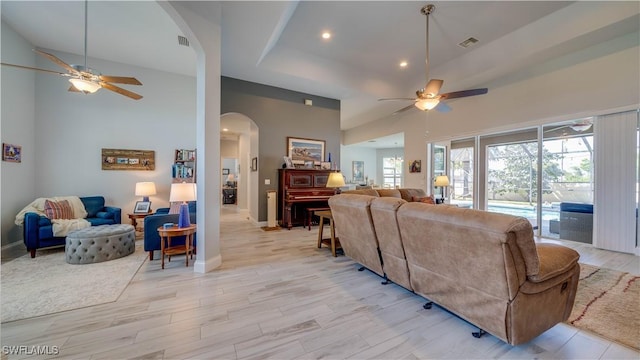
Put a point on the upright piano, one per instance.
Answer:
(299, 189)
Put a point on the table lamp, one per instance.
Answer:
(442, 181)
(336, 180)
(145, 189)
(183, 192)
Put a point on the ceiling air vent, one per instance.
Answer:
(470, 41)
(183, 41)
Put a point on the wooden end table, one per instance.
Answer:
(332, 242)
(134, 219)
(186, 249)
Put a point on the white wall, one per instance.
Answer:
(70, 129)
(598, 80)
(17, 127)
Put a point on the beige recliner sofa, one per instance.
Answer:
(484, 267)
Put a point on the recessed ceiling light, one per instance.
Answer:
(225, 129)
(403, 64)
(326, 35)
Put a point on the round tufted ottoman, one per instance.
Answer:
(100, 243)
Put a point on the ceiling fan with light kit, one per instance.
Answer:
(84, 79)
(429, 98)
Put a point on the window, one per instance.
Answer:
(392, 172)
(461, 173)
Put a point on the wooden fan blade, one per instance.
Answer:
(442, 107)
(120, 79)
(433, 87)
(406, 108)
(120, 90)
(463, 93)
(397, 99)
(37, 69)
(57, 61)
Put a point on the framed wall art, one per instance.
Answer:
(122, 159)
(11, 153)
(357, 169)
(301, 150)
(415, 166)
(254, 164)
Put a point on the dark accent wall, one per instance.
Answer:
(279, 113)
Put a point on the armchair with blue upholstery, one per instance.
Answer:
(38, 229)
(161, 217)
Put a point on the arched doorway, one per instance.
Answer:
(239, 141)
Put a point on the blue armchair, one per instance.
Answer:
(38, 229)
(162, 216)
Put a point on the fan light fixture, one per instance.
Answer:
(426, 104)
(85, 86)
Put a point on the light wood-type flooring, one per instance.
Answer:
(277, 296)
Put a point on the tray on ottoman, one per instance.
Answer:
(100, 243)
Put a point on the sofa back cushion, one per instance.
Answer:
(93, 205)
(58, 209)
(352, 218)
(412, 194)
(368, 192)
(389, 193)
(490, 252)
(383, 213)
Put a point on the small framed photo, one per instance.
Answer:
(11, 153)
(288, 163)
(225, 171)
(325, 165)
(142, 207)
(254, 164)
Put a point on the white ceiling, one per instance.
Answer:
(279, 43)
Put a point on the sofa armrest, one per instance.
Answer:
(31, 232)
(554, 260)
(115, 213)
(164, 210)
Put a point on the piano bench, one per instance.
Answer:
(310, 212)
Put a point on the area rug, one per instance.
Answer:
(608, 304)
(47, 284)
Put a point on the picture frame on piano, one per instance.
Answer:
(301, 150)
(288, 163)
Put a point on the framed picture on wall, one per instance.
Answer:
(254, 164)
(357, 169)
(301, 150)
(225, 171)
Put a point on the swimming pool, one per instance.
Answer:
(527, 211)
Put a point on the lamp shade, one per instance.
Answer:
(84, 85)
(442, 180)
(335, 180)
(183, 192)
(231, 177)
(145, 188)
(427, 104)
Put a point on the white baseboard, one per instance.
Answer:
(207, 265)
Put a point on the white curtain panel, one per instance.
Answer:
(615, 179)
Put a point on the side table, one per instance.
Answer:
(134, 219)
(168, 233)
(333, 242)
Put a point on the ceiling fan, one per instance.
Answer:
(84, 79)
(428, 97)
(580, 125)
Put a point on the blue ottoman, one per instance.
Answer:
(100, 243)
